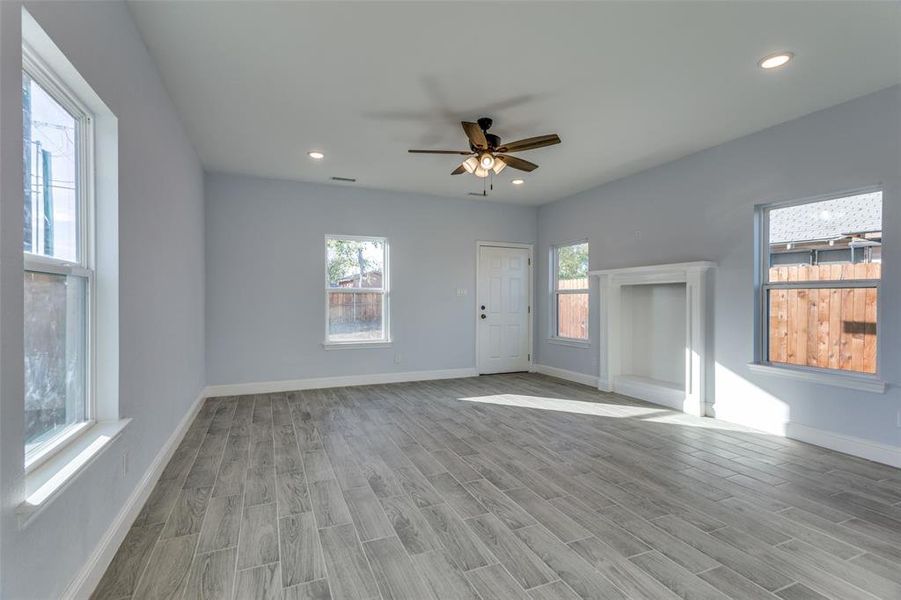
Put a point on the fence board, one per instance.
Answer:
(572, 316)
(824, 320)
(829, 327)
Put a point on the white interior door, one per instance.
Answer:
(503, 309)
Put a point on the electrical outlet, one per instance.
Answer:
(125, 463)
(898, 418)
(397, 358)
(461, 291)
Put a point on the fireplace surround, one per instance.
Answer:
(653, 333)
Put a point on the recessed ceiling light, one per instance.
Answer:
(316, 155)
(775, 60)
(517, 182)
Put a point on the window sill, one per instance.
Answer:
(355, 345)
(864, 383)
(46, 482)
(569, 342)
(56, 444)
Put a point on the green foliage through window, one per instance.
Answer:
(572, 261)
(355, 263)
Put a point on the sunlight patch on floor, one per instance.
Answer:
(599, 409)
(662, 415)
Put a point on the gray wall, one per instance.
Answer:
(265, 276)
(701, 208)
(161, 292)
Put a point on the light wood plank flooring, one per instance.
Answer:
(503, 487)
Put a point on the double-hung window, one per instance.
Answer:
(356, 290)
(569, 276)
(58, 261)
(821, 271)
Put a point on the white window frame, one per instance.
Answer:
(555, 291)
(761, 363)
(84, 265)
(384, 290)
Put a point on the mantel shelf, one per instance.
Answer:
(698, 265)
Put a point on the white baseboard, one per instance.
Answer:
(567, 375)
(90, 574)
(881, 453)
(647, 389)
(313, 383)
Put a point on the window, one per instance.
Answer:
(356, 290)
(57, 260)
(822, 267)
(570, 291)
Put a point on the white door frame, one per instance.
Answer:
(518, 245)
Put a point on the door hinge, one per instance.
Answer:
(530, 357)
(530, 310)
(530, 262)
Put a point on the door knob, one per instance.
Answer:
(484, 317)
(483, 307)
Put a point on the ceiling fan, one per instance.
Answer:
(487, 155)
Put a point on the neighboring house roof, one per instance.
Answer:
(828, 219)
(370, 279)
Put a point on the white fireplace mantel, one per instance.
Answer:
(688, 396)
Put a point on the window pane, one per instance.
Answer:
(832, 239)
(355, 317)
(572, 316)
(355, 264)
(572, 267)
(50, 145)
(833, 328)
(54, 354)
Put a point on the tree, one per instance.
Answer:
(348, 258)
(572, 261)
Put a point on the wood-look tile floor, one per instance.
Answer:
(503, 487)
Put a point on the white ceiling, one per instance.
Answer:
(626, 85)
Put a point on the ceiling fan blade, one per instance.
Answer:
(461, 152)
(459, 170)
(475, 135)
(530, 143)
(518, 163)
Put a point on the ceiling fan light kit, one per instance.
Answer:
(487, 155)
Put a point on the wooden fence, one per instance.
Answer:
(572, 310)
(832, 328)
(345, 309)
